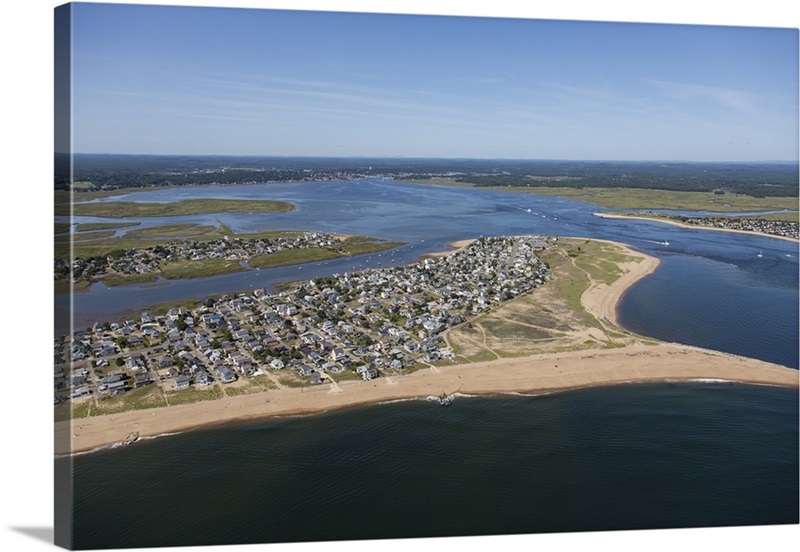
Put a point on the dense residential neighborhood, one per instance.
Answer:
(775, 227)
(150, 260)
(366, 324)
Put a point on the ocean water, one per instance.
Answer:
(611, 458)
(622, 457)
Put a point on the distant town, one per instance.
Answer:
(355, 325)
(150, 260)
(773, 227)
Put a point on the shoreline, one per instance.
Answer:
(542, 373)
(695, 226)
(454, 248)
(601, 300)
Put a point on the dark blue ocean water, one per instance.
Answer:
(624, 457)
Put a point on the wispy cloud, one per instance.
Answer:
(738, 100)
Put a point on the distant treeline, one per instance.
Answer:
(122, 171)
(756, 180)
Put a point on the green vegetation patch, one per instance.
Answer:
(171, 231)
(509, 330)
(482, 356)
(786, 217)
(200, 268)
(89, 226)
(85, 236)
(64, 286)
(185, 207)
(160, 309)
(293, 256)
(61, 227)
(359, 245)
(292, 380)
(193, 395)
(125, 279)
(149, 396)
(264, 381)
(639, 198)
(68, 410)
(82, 185)
(244, 387)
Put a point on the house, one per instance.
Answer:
(181, 382)
(134, 362)
(81, 392)
(226, 375)
(112, 378)
(141, 381)
(115, 387)
(306, 370)
(331, 368)
(369, 374)
(202, 378)
(286, 310)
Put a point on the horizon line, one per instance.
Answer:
(432, 158)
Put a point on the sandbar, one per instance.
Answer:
(454, 247)
(695, 226)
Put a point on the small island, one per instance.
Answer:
(190, 251)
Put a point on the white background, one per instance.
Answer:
(26, 265)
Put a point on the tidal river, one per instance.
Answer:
(712, 289)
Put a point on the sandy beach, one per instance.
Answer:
(601, 300)
(454, 246)
(542, 373)
(695, 226)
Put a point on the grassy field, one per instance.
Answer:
(359, 245)
(353, 245)
(551, 318)
(632, 198)
(293, 256)
(62, 197)
(256, 384)
(788, 217)
(149, 396)
(199, 269)
(172, 231)
(120, 209)
(112, 280)
(83, 185)
(149, 237)
(61, 227)
(88, 226)
(193, 394)
(86, 236)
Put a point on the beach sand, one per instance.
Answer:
(454, 247)
(640, 362)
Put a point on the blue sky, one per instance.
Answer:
(180, 80)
